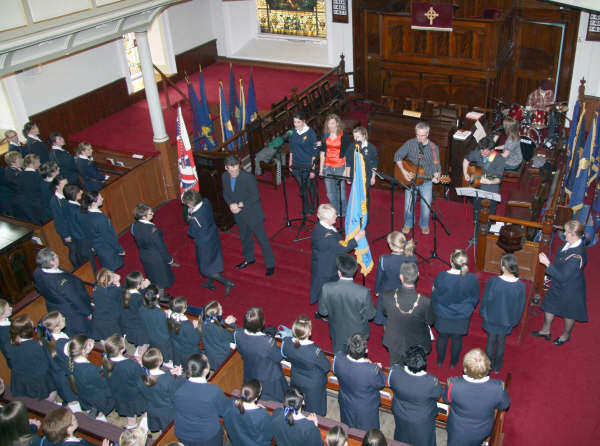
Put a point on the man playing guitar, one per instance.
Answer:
(421, 152)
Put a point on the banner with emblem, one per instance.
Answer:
(432, 16)
(188, 178)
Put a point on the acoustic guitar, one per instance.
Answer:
(420, 176)
(475, 173)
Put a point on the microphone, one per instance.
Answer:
(420, 147)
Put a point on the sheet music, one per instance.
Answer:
(479, 132)
(478, 193)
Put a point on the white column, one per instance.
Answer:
(154, 107)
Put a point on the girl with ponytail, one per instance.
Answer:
(184, 333)
(217, 333)
(107, 304)
(130, 322)
(155, 321)
(454, 297)
(290, 426)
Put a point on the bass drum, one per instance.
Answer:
(516, 112)
(529, 141)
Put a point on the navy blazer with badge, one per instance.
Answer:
(252, 428)
(153, 253)
(359, 398)
(262, 362)
(104, 240)
(57, 209)
(309, 373)
(203, 230)
(39, 148)
(414, 406)
(66, 293)
(473, 404)
(93, 180)
(370, 158)
(29, 373)
(67, 165)
(107, 311)
(80, 240)
(325, 248)
(131, 322)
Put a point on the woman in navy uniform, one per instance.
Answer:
(217, 333)
(387, 276)
(58, 206)
(198, 406)
(63, 158)
(87, 379)
(154, 255)
(16, 429)
(123, 375)
(101, 232)
(14, 168)
(415, 399)
(566, 296)
(203, 230)
(74, 218)
(290, 426)
(453, 298)
(473, 398)
(261, 355)
(501, 308)
(50, 330)
(93, 180)
(29, 373)
(158, 388)
(48, 171)
(360, 382)
(185, 336)
(247, 423)
(107, 304)
(309, 366)
(63, 292)
(27, 200)
(34, 143)
(155, 321)
(131, 323)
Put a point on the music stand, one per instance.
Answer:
(393, 183)
(339, 184)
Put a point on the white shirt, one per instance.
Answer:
(195, 208)
(197, 380)
(52, 270)
(476, 381)
(5, 323)
(156, 372)
(304, 130)
(58, 148)
(569, 246)
(80, 360)
(509, 279)
(97, 211)
(304, 341)
(29, 169)
(421, 373)
(146, 222)
(34, 137)
(74, 202)
(357, 360)
(453, 271)
(59, 195)
(327, 226)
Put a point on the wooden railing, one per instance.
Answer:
(166, 83)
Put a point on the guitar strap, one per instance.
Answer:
(434, 155)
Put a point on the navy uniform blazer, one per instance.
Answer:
(252, 428)
(472, 409)
(93, 180)
(359, 398)
(216, 340)
(92, 387)
(29, 370)
(302, 433)
(21, 148)
(325, 248)
(74, 218)
(39, 148)
(131, 322)
(160, 400)
(107, 311)
(245, 191)
(123, 384)
(59, 366)
(155, 321)
(370, 158)
(185, 343)
(153, 253)
(203, 230)
(502, 305)
(28, 201)
(104, 240)
(10, 183)
(67, 165)
(349, 308)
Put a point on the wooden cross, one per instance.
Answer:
(431, 15)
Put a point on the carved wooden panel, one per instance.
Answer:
(527, 257)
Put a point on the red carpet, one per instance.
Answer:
(130, 129)
(553, 389)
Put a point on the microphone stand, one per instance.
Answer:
(339, 184)
(393, 183)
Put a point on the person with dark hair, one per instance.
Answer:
(309, 365)
(370, 159)
(241, 194)
(502, 305)
(48, 171)
(415, 399)
(59, 427)
(29, 365)
(107, 304)
(247, 423)
(303, 152)
(409, 316)
(154, 255)
(185, 336)
(203, 230)
(336, 436)
(123, 375)
(198, 406)
(326, 246)
(374, 437)
(34, 144)
(217, 333)
(543, 96)
(261, 355)
(6, 310)
(74, 217)
(566, 296)
(63, 158)
(63, 292)
(14, 144)
(290, 426)
(93, 180)
(158, 388)
(28, 202)
(360, 382)
(474, 398)
(132, 300)
(454, 296)
(101, 232)
(58, 206)
(16, 429)
(347, 305)
(155, 321)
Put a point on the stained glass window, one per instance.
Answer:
(304, 18)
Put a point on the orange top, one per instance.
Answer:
(332, 154)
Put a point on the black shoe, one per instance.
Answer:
(244, 264)
(228, 286)
(209, 285)
(270, 271)
(92, 413)
(320, 316)
(559, 342)
(537, 334)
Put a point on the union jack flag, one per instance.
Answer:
(188, 178)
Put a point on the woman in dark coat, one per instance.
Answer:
(131, 323)
(154, 255)
(217, 333)
(309, 366)
(203, 230)
(453, 298)
(107, 305)
(566, 296)
(501, 308)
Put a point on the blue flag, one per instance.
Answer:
(581, 169)
(197, 132)
(234, 106)
(357, 215)
(205, 121)
(576, 153)
(595, 150)
(251, 109)
(226, 126)
(573, 133)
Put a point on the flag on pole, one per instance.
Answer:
(571, 141)
(574, 151)
(196, 114)
(205, 121)
(251, 109)
(595, 150)
(242, 106)
(581, 170)
(188, 178)
(234, 106)
(356, 214)
(225, 117)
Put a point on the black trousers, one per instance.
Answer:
(308, 190)
(494, 348)
(455, 347)
(258, 229)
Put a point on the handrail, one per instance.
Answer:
(165, 80)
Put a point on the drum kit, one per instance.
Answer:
(536, 125)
